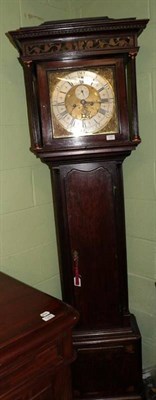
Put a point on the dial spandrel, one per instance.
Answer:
(83, 102)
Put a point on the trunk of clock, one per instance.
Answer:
(89, 209)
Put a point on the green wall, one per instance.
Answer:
(27, 231)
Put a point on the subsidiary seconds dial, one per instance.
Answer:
(82, 102)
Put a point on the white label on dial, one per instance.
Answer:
(110, 137)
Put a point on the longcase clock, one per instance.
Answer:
(82, 104)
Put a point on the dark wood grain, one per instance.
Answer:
(34, 355)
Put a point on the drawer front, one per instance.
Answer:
(28, 367)
(40, 392)
(55, 386)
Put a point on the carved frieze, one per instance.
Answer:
(79, 45)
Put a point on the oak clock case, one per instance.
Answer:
(80, 79)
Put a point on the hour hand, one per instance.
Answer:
(91, 103)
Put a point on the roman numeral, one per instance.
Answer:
(101, 111)
(72, 123)
(83, 124)
(104, 100)
(97, 123)
(104, 87)
(63, 114)
(100, 90)
(58, 104)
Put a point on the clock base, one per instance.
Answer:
(108, 364)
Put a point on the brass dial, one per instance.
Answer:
(82, 102)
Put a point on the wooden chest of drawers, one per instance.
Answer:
(35, 343)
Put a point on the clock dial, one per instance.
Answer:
(82, 103)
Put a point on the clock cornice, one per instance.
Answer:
(79, 37)
(64, 27)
